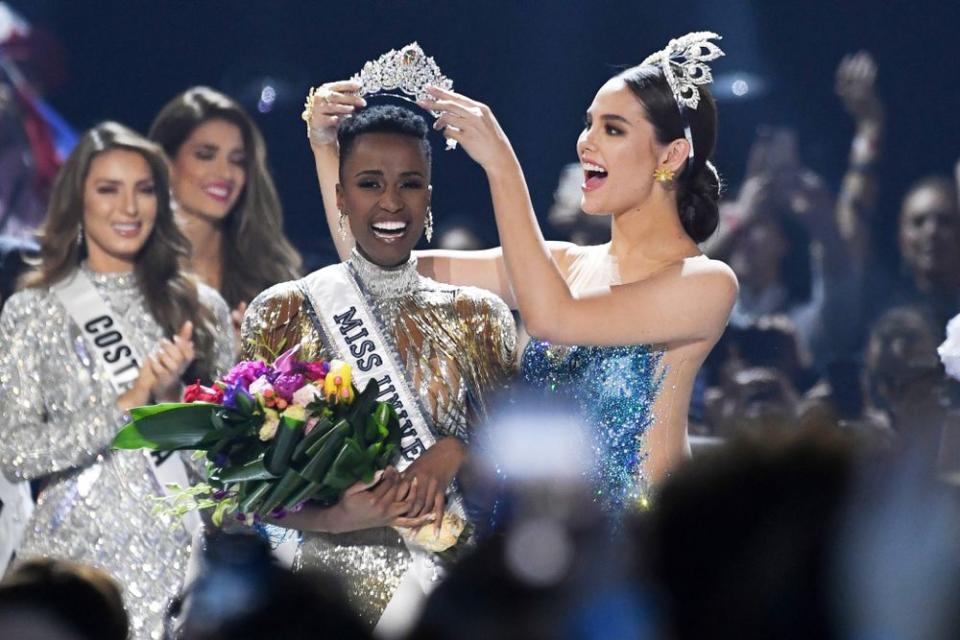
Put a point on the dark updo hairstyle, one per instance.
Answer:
(697, 185)
(383, 118)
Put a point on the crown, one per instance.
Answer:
(409, 71)
(684, 63)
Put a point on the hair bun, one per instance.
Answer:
(698, 201)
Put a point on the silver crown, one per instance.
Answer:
(684, 64)
(408, 71)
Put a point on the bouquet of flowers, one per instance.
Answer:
(274, 436)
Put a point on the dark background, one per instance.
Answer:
(536, 63)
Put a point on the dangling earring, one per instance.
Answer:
(342, 226)
(663, 174)
(428, 227)
(80, 236)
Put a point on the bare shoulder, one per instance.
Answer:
(566, 254)
(714, 273)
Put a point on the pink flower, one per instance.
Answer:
(245, 372)
(315, 370)
(306, 394)
(261, 385)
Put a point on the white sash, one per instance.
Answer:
(354, 334)
(105, 331)
(16, 505)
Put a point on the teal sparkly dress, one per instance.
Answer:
(616, 389)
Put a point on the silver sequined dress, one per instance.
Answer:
(58, 415)
(456, 345)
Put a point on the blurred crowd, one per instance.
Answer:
(829, 511)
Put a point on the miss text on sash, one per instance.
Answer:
(365, 352)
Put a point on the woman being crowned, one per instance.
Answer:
(436, 351)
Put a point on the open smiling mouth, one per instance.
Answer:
(389, 230)
(593, 176)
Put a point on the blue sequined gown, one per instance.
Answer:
(626, 394)
(616, 389)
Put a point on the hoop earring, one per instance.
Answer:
(428, 227)
(663, 174)
(342, 227)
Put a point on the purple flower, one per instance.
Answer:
(287, 362)
(245, 372)
(278, 513)
(286, 384)
(242, 517)
(232, 392)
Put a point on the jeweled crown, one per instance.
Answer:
(409, 71)
(684, 64)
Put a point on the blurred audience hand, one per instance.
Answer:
(856, 86)
(773, 151)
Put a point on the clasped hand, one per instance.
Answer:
(411, 499)
(160, 374)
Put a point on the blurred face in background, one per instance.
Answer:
(758, 254)
(930, 233)
(119, 209)
(210, 170)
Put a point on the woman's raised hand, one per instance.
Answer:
(159, 379)
(473, 125)
(331, 102)
(169, 362)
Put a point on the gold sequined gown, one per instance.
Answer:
(58, 415)
(456, 345)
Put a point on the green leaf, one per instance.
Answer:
(350, 465)
(319, 430)
(254, 470)
(326, 450)
(168, 426)
(288, 435)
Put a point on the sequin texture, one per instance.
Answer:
(456, 346)
(615, 388)
(58, 415)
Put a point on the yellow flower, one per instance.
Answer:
(338, 386)
(270, 424)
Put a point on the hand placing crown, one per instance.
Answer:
(403, 74)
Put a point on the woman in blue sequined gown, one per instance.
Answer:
(622, 327)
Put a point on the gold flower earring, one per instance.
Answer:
(663, 175)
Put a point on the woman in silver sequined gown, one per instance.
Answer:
(622, 328)
(456, 345)
(109, 217)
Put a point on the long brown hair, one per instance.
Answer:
(170, 294)
(256, 253)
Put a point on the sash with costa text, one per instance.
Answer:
(104, 330)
